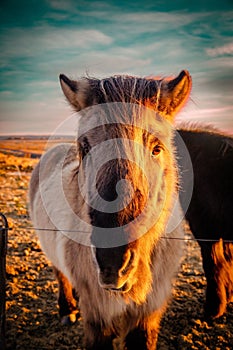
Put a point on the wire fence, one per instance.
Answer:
(186, 239)
(27, 217)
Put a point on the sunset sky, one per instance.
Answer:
(40, 39)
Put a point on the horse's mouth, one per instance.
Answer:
(124, 289)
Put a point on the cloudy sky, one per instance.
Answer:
(40, 39)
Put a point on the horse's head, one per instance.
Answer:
(127, 172)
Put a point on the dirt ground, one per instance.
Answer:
(31, 307)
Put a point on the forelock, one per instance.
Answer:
(124, 88)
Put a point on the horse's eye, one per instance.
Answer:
(156, 150)
(85, 147)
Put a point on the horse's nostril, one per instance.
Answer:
(107, 272)
(127, 263)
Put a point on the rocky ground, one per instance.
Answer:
(31, 308)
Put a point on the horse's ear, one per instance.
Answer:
(75, 91)
(173, 94)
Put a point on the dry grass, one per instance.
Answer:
(24, 145)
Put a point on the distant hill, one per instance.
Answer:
(36, 137)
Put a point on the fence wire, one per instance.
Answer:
(186, 239)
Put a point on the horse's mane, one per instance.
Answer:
(198, 127)
(124, 88)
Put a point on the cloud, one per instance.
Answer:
(29, 42)
(221, 110)
(226, 49)
(42, 116)
(114, 61)
(158, 19)
(43, 84)
(141, 23)
(62, 5)
(221, 117)
(99, 38)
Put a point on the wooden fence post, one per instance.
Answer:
(3, 252)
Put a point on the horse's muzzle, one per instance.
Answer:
(116, 275)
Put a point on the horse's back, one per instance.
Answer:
(211, 206)
(57, 164)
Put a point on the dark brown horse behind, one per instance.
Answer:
(210, 213)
